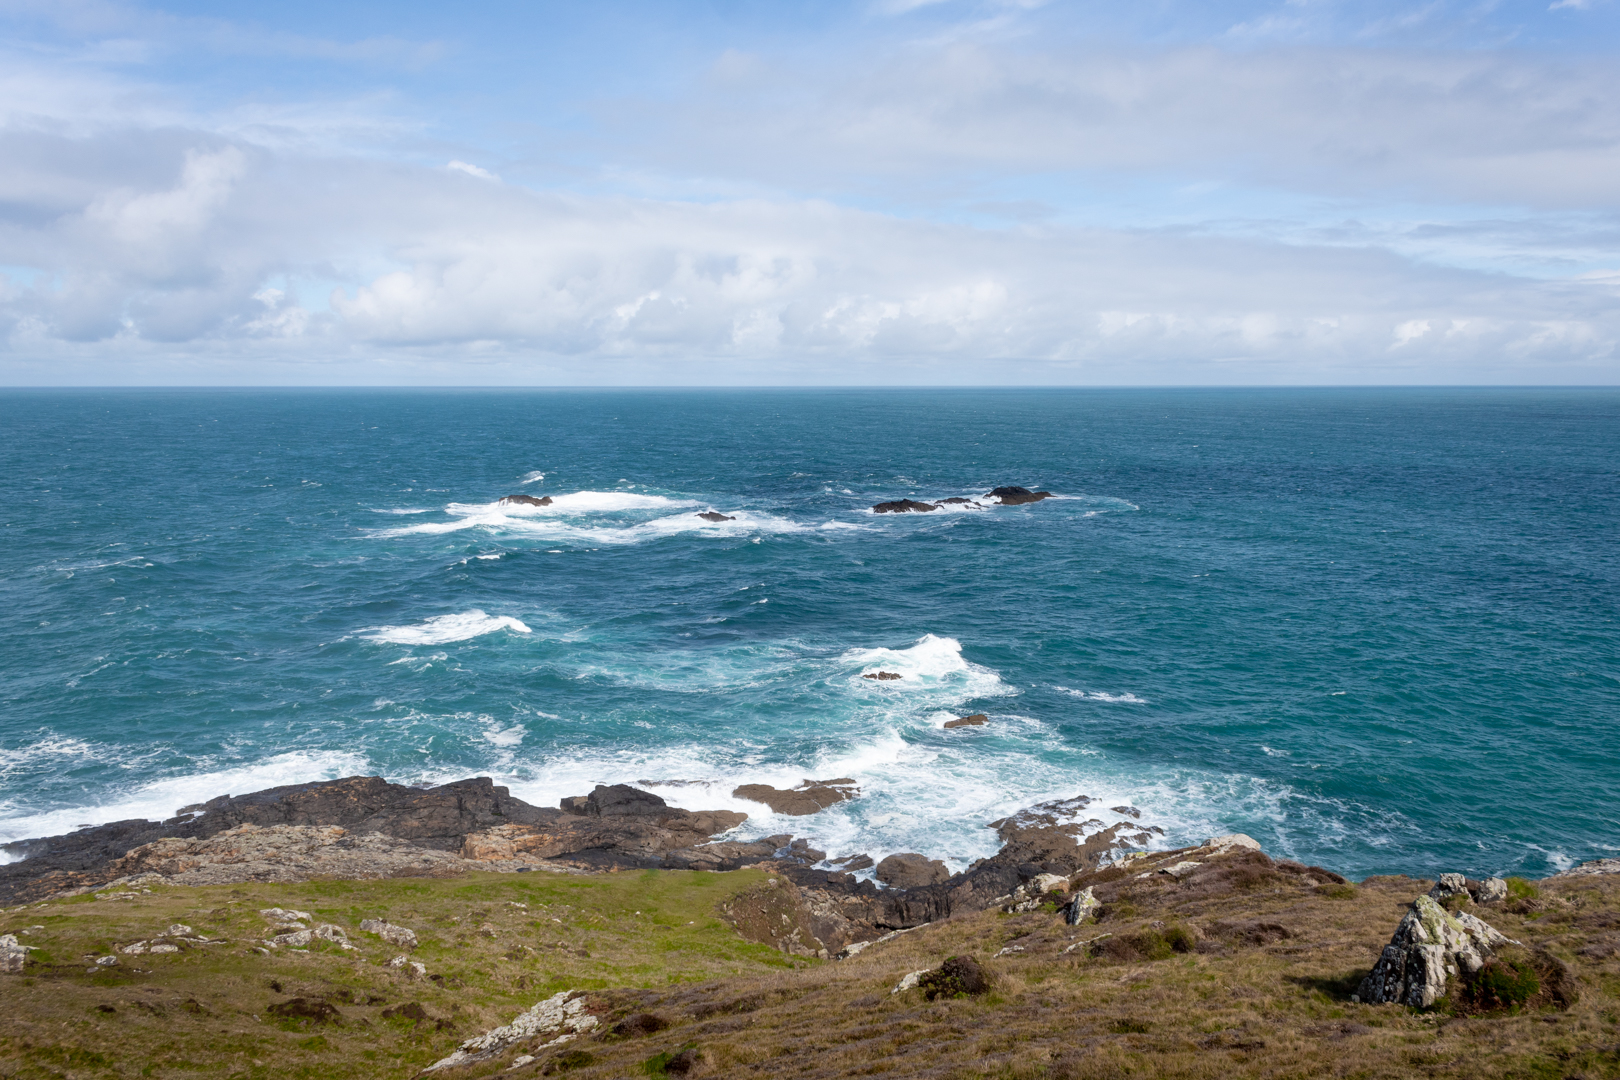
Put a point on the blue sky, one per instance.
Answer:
(888, 192)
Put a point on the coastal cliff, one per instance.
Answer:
(356, 928)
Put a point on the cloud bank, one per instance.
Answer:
(777, 222)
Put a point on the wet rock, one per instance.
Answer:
(402, 936)
(1128, 811)
(1018, 496)
(883, 676)
(852, 863)
(711, 515)
(525, 500)
(956, 500)
(1429, 946)
(809, 797)
(903, 506)
(556, 1020)
(908, 870)
(976, 720)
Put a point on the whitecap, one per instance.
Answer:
(1099, 695)
(443, 629)
(532, 477)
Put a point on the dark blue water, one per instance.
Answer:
(1374, 629)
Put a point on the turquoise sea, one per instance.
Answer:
(1375, 629)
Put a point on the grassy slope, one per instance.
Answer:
(1241, 1007)
(202, 1012)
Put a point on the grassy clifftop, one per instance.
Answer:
(1245, 972)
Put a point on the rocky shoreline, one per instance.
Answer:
(365, 827)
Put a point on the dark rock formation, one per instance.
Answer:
(883, 676)
(852, 863)
(976, 720)
(956, 500)
(960, 976)
(903, 506)
(808, 798)
(613, 826)
(909, 870)
(1017, 496)
(713, 515)
(525, 500)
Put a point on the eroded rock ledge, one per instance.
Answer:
(366, 827)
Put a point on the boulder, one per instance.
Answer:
(12, 955)
(1489, 891)
(809, 797)
(711, 515)
(556, 1020)
(1080, 907)
(1018, 496)
(960, 976)
(976, 720)
(908, 870)
(525, 500)
(402, 936)
(883, 676)
(903, 506)
(1429, 946)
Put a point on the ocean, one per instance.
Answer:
(1374, 629)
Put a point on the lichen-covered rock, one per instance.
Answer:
(1430, 945)
(1488, 891)
(1079, 909)
(12, 955)
(302, 939)
(557, 1019)
(1032, 893)
(403, 936)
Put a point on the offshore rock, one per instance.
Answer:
(1430, 946)
(525, 500)
(883, 676)
(903, 506)
(1018, 496)
(809, 797)
(711, 515)
(976, 720)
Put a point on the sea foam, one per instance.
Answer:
(444, 629)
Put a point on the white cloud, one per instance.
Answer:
(473, 170)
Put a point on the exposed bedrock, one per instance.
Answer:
(903, 506)
(809, 797)
(1018, 496)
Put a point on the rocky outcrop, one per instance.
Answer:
(909, 870)
(809, 797)
(384, 830)
(903, 506)
(558, 1019)
(403, 936)
(12, 955)
(1430, 946)
(525, 500)
(1489, 891)
(715, 516)
(976, 720)
(1018, 496)
(1592, 868)
(284, 853)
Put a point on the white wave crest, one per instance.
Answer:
(444, 629)
(532, 477)
(1098, 695)
(933, 664)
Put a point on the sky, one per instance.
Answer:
(810, 192)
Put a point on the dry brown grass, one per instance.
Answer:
(1264, 991)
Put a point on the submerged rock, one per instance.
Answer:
(883, 676)
(711, 515)
(525, 500)
(1430, 945)
(809, 797)
(903, 506)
